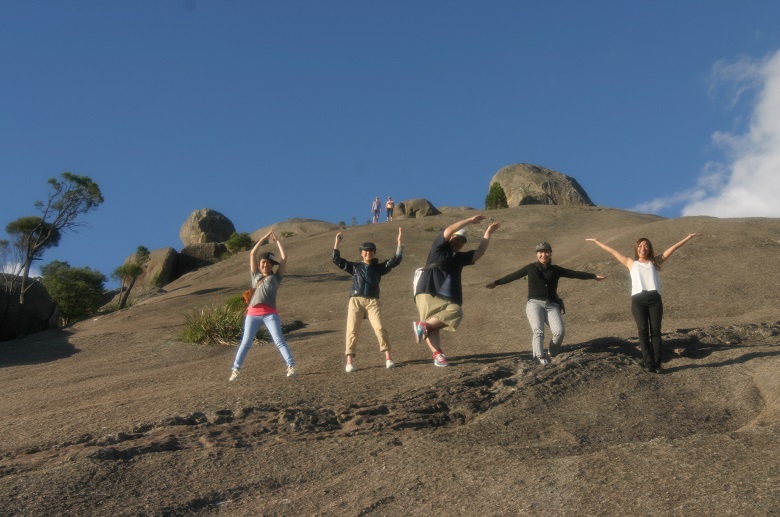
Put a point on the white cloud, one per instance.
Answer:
(16, 269)
(749, 184)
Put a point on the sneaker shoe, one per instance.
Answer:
(543, 360)
(440, 360)
(420, 330)
(234, 375)
(349, 368)
(291, 371)
(389, 364)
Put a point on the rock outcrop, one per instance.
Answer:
(161, 269)
(296, 226)
(195, 256)
(205, 226)
(526, 184)
(40, 312)
(418, 207)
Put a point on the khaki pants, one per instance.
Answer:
(443, 310)
(358, 308)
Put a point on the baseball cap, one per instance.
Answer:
(269, 257)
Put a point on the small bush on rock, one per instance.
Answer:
(224, 325)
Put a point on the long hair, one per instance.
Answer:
(652, 252)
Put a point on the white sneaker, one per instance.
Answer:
(349, 368)
(234, 375)
(389, 364)
(291, 371)
(543, 360)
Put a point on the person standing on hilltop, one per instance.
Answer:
(646, 304)
(376, 207)
(364, 295)
(544, 305)
(262, 305)
(390, 207)
(438, 291)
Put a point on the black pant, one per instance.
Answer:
(648, 310)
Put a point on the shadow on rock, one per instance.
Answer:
(737, 360)
(44, 347)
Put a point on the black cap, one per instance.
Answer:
(269, 257)
(543, 246)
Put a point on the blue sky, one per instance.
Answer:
(268, 110)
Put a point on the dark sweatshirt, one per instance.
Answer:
(543, 281)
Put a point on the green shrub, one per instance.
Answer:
(224, 325)
(78, 292)
(496, 198)
(288, 234)
(212, 326)
(239, 242)
(235, 303)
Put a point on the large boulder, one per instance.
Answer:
(196, 256)
(418, 207)
(526, 184)
(161, 269)
(40, 312)
(206, 225)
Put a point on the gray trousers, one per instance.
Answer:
(540, 312)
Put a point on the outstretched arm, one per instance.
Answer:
(454, 227)
(393, 261)
(340, 262)
(628, 262)
(668, 253)
(511, 277)
(282, 255)
(483, 244)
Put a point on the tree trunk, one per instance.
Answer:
(123, 296)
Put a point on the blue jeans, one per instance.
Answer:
(540, 312)
(251, 326)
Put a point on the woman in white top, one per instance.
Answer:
(646, 303)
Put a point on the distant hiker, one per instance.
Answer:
(376, 207)
(390, 207)
(544, 305)
(440, 295)
(364, 295)
(262, 305)
(646, 304)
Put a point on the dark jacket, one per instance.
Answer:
(442, 263)
(366, 277)
(543, 282)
